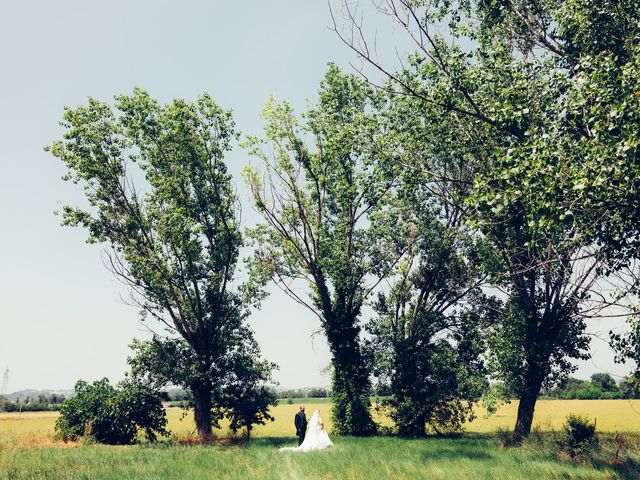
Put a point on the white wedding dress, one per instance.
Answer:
(316, 437)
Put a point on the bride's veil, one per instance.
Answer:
(312, 428)
(313, 421)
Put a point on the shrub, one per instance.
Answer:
(612, 395)
(111, 415)
(247, 400)
(578, 436)
(434, 388)
(250, 407)
(589, 392)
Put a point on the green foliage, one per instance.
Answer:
(578, 436)
(493, 397)
(238, 378)
(427, 339)
(175, 237)
(318, 393)
(246, 398)
(430, 359)
(324, 195)
(630, 387)
(311, 393)
(112, 415)
(49, 402)
(604, 382)
(514, 358)
(538, 102)
(249, 405)
(432, 390)
(601, 386)
(627, 348)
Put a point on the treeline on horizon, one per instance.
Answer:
(40, 403)
(601, 386)
(453, 226)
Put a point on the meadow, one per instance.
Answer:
(28, 450)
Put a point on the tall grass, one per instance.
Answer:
(351, 458)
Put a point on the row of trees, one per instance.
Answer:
(40, 403)
(306, 393)
(537, 103)
(601, 386)
(480, 199)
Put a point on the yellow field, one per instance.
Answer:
(34, 429)
(610, 415)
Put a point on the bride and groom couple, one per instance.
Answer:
(311, 434)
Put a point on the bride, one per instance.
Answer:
(316, 437)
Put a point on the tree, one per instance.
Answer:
(601, 386)
(630, 387)
(247, 399)
(627, 349)
(324, 208)
(567, 388)
(506, 87)
(174, 241)
(427, 336)
(240, 389)
(112, 414)
(604, 382)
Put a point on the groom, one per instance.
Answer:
(300, 422)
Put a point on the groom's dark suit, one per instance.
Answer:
(300, 422)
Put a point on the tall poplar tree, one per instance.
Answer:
(160, 198)
(323, 192)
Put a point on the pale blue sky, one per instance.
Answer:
(60, 314)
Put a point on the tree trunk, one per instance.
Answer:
(526, 408)
(202, 410)
(408, 419)
(351, 384)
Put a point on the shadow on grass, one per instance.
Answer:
(456, 452)
(628, 469)
(273, 442)
(223, 442)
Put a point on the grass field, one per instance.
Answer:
(351, 458)
(28, 451)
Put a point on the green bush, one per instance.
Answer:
(589, 392)
(578, 436)
(111, 415)
(250, 406)
(601, 386)
(612, 395)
